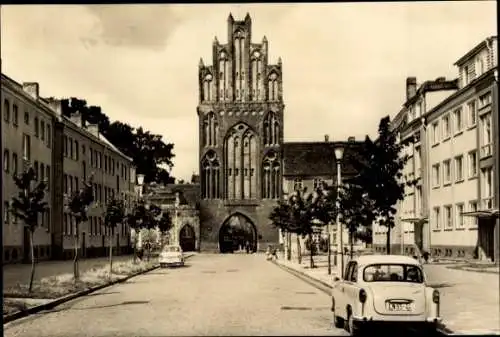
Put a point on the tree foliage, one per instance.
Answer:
(151, 155)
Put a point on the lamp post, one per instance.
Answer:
(339, 153)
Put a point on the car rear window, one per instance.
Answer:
(393, 273)
(171, 249)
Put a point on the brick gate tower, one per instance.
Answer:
(240, 114)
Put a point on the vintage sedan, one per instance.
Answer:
(171, 256)
(388, 290)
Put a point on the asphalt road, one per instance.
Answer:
(217, 295)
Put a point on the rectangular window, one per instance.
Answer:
(6, 212)
(26, 118)
(37, 127)
(6, 161)
(437, 217)
(446, 171)
(6, 111)
(14, 164)
(42, 130)
(484, 100)
(71, 147)
(65, 183)
(49, 138)
(42, 172)
(297, 184)
(47, 176)
(459, 208)
(446, 127)
(472, 164)
(436, 177)
(15, 111)
(35, 167)
(418, 161)
(65, 146)
(435, 133)
(26, 147)
(448, 217)
(316, 183)
(486, 136)
(472, 113)
(458, 122)
(459, 168)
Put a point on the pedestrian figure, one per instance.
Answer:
(247, 247)
(275, 254)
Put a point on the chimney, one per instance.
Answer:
(32, 88)
(93, 129)
(351, 139)
(327, 138)
(55, 104)
(411, 87)
(76, 118)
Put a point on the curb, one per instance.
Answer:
(314, 282)
(472, 270)
(66, 298)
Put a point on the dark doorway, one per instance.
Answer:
(419, 235)
(187, 238)
(26, 246)
(487, 237)
(235, 232)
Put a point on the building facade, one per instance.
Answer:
(64, 152)
(454, 213)
(307, 165)
(182, 202)
(241, 134)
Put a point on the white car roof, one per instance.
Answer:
(374, 259)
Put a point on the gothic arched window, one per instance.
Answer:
(256, 68)
(207, 87)
(210, 130)
(210, 177)
(273, 87)
(239, 62)
(271, 130)
(241, 162)
(271, 176)
(223, 75)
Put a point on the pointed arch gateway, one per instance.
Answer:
(187, 238)
(241, 162)
(235, 231)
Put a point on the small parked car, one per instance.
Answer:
(171, 256)
(384, 290)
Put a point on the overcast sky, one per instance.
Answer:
(344, 64)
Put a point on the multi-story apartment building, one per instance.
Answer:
(459, 166)
(64, 152)
(27, 138)
(412, 215)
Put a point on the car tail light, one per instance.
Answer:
(435, 296)
(362, 296)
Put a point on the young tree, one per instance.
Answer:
(78, 205)
(357, 212)
(164, 224)
(382, 174)
(115, 214)
(28, 206)
(134, 220)
(281, 217)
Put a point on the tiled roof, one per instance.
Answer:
(189, 194)
(317, 158)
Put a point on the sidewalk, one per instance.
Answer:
(470, 300)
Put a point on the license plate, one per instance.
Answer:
(399, 306)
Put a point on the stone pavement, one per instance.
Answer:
(470, 300)
(20, 273)
(213, 295)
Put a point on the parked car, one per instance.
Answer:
(171, 256)
(384, 289)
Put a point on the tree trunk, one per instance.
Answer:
(135, 249)
(32, 276)
(76, 274)
(289, 248)
(388, 243)
(110, 256)
(299, 254)
(311, 251)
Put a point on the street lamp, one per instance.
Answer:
(140, 182)
(339, 153)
